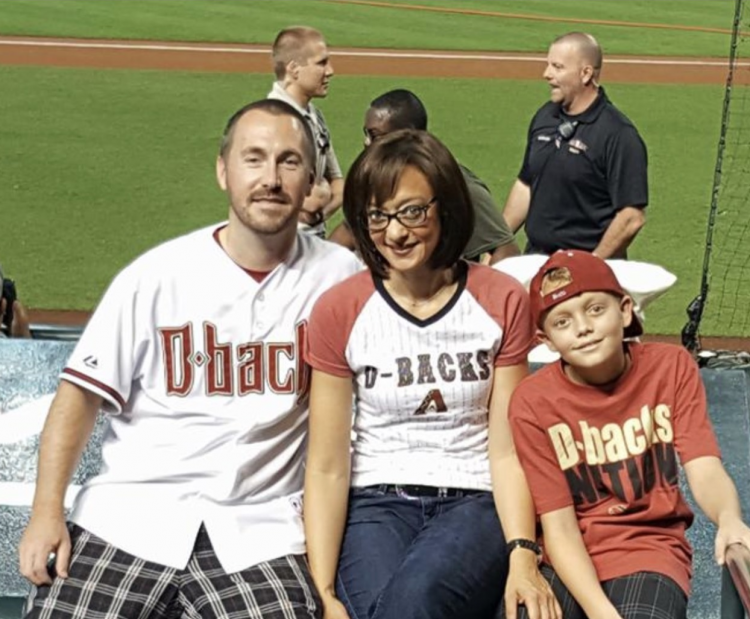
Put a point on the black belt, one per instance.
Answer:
(416, 490)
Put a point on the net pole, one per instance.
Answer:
(691, 330)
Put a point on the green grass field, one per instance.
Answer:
(100, 165)
(344, 24)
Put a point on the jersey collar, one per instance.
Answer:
(591, 113)
(278, 92)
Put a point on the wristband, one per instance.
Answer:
(524, 543)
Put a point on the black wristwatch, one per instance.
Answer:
(524, 543)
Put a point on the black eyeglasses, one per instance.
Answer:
(409, 216)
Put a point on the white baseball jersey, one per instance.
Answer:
(422, 386)
(202, 369)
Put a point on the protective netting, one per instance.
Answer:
(722, 307)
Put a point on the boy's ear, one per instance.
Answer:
(627, 306)
(542, 337)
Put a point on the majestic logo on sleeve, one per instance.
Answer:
(242, 369)
(622, 460)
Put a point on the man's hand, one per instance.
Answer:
(311, 218)
(312, 212)
(527, 586)
(44, 536)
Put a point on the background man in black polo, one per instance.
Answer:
(583, 183)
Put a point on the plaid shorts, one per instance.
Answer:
(643, 595)
(107, 583)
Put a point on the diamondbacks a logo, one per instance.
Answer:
(92, 362)
(243, 369)
(432, 403)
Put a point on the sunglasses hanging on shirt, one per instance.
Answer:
(565, 131)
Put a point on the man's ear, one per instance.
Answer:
(587, 74)
(292, 69)
(221, 172)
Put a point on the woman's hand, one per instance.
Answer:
(527, 586)
(333, 608)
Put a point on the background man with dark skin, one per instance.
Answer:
(583, 183)
(402, 109)
(303, 72)
(12, 311)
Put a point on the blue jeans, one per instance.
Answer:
(425, 557)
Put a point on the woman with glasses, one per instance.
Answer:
(402, 521)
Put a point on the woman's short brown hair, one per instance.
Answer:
(373, 179)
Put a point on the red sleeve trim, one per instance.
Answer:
(507, 303)
(99, 385)
(331, 323)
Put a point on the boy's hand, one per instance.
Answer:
(731, 531)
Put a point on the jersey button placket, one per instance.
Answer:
(258, 311)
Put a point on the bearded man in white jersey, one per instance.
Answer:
(195, 351)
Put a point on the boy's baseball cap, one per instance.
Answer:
(587, 272)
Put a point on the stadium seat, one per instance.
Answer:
(735, 584)
(29, 372)
(11, 607)
(727, 392)
(44, 331)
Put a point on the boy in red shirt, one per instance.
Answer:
(599, 435)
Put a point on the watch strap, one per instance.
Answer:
(528, 544)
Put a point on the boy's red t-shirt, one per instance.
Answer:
(613, 455)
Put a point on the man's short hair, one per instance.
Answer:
(374, 177)
(404, 109)
(275, 107)
(292, 44)
(588, 47)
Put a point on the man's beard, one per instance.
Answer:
(263, 220)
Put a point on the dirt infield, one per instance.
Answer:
(231, 58)
(105, 54)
